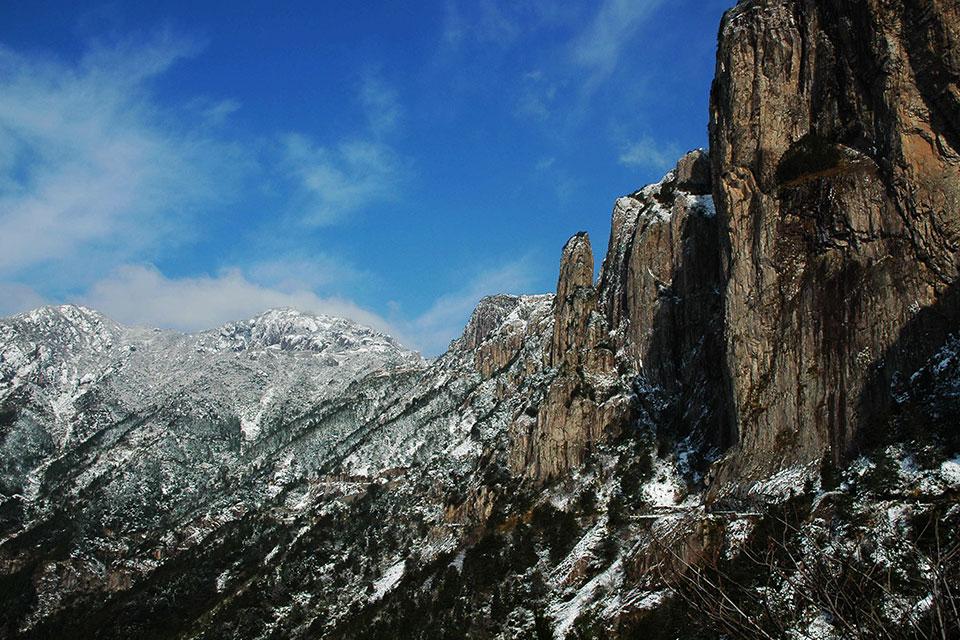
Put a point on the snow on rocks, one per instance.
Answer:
(83, 372)
(565, 613)
(950, 472)
(787, 482)
(665, 488)
(388, 580)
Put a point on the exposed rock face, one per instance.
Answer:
(660, 292)
(300, 476)
(578, 330)
(834, 141)
(505, 330)
(583, 401)
(495, 342)
(655, 313)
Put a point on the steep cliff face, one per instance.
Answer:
(772, 292)
(660, 293)
(299, 476)
(584, 400)
(834, 142)
(645, 338)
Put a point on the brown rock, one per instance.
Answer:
(660, 292)
(580, 406)
(834, 141)
(500, 329)
(575, 330)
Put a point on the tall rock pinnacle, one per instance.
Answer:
(581, 403)
(575, 303)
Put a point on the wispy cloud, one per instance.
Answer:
(214, 113)
(483, 22)
(357, 172)
(97, 179)
(648, 153)
(93, 168)
(380, 104)
(444, 320)
(546, 163)
(15, 297)
(142, 295)
(599, 47)
(336, 182)
(537, 96)
(315, 272)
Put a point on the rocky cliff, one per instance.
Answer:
(834, 132)
(645, 337)
(660, 290)
(583, 400)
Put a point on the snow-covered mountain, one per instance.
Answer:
(68, 371)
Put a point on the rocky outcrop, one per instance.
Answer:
(774, 290)
(653, 322)
(660, 293)
(834, 141)
(300, 476)
(578, 330)
(583, 401)
(506, 338)
(493, 342)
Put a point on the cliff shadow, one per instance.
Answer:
(895, 403)
(685, 352)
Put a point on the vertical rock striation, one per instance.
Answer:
(652, 323)
(777, 313)
(583, 400)
(660, 293)
(834, 141)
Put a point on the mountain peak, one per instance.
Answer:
(68, 312)
(294, 330)
(62, 324)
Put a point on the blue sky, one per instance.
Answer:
(187, 164)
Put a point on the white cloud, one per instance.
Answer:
(16, 298)
(293, 272)
(497, 23)
(356, 173)
(537, 96)
(141, 295)
(599, 46)
(91, 171)
(380, 104)
(346, 179)
(214, 112)
(92, 168)
(500, 24)
(647, 153)
(97, 178)
(546, 163)
(487, 23)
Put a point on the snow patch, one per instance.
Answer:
(666, 487)
(788, 482)
(564, 614)
(950, 472)
(388, 580)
